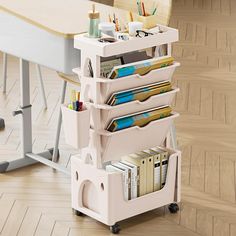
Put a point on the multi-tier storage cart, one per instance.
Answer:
(96, 192)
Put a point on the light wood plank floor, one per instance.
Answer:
(36, 201)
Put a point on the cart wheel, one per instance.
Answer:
(78, 213)
(173, 208)
(115, 229)
(2, 124)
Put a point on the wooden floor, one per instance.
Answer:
(36, 200)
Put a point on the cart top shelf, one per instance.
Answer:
(161, 35)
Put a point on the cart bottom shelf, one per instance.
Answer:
(99, 194)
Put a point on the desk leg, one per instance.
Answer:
(27, 157)
(26, 132)
(55, 155)
(4, 75)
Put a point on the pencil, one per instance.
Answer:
(110, 18)
(117, 25)
(131, 16)
(143, 7)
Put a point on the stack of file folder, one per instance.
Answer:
(140, 119)
(142, 173)
(140, 93)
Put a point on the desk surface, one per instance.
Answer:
(62, 17)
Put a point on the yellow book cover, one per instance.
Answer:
(150, 171)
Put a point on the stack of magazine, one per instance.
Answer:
(142, 173)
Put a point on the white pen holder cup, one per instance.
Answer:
(76, 126)
(134, 26)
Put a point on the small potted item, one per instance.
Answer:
(94, 20)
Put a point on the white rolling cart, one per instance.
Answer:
(96, 192)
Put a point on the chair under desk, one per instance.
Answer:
(42, 32)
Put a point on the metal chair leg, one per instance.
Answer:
(4, 72)
(55, 156)
(38, 69)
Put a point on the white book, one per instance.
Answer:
(125, 178)
(134, 178)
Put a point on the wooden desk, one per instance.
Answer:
(42, 32)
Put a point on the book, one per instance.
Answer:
(141, 67)
(164, 155)
(140, 93)
(134, 178)
(140, 162)
(150, 171)
(139, 119)
(107, 66)
(125, 178)
(156, 169)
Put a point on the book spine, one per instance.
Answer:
(164, 171)
(157, 175)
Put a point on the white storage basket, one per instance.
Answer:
(117, 144)
(107, 113)
(76, 127)
(100, 194)
(109, 86)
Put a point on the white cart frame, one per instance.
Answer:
(95, 192)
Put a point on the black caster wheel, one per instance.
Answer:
(173, 208)
(78, 213)
(115, 229)
(2, 124)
